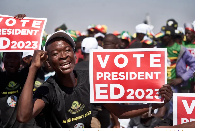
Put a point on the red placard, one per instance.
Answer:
(21, 35)
(127, 75)
(183, 108)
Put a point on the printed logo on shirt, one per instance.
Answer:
(79, 125)
(12, 100)
(77, 118)
(37, 84)
(12, 85)
(76, 107)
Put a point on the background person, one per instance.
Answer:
(11, 83)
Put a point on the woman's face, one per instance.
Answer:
(61, 57)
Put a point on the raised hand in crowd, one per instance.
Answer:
(19, 16)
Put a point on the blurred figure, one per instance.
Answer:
(111, 42)
(27, 58)
(125, 37)
(169, 23)
(101, 29)
(116, 33)
(99, 37)
(158, 37)
(178, 57)
(172, 23)
(44, 38)
(78, 52)
(189, 43)
(1, 63)
(87, 44)
(74, 36)
(91, 30)
(190, 36)
(78, 33)
(141, 31)
(105, 28)
(12, 81)
(179, 35)
(147, 42)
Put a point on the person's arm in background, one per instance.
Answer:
(26, 109)
(115, 122)
(161, 112)
(20, 16)
(189, 61)
(129, 111)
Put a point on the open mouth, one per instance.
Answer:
(65, 65)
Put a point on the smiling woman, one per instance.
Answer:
(61, 56)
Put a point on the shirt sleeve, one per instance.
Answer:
(190, 61)
(42, 93)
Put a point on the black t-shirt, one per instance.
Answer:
(98, 110)
(67, 107)
(10, 89)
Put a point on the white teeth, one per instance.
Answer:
(65, 65)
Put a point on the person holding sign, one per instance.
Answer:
(13, 78)
(17, 33)
(65, 97)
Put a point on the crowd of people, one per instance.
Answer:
(50, 87)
